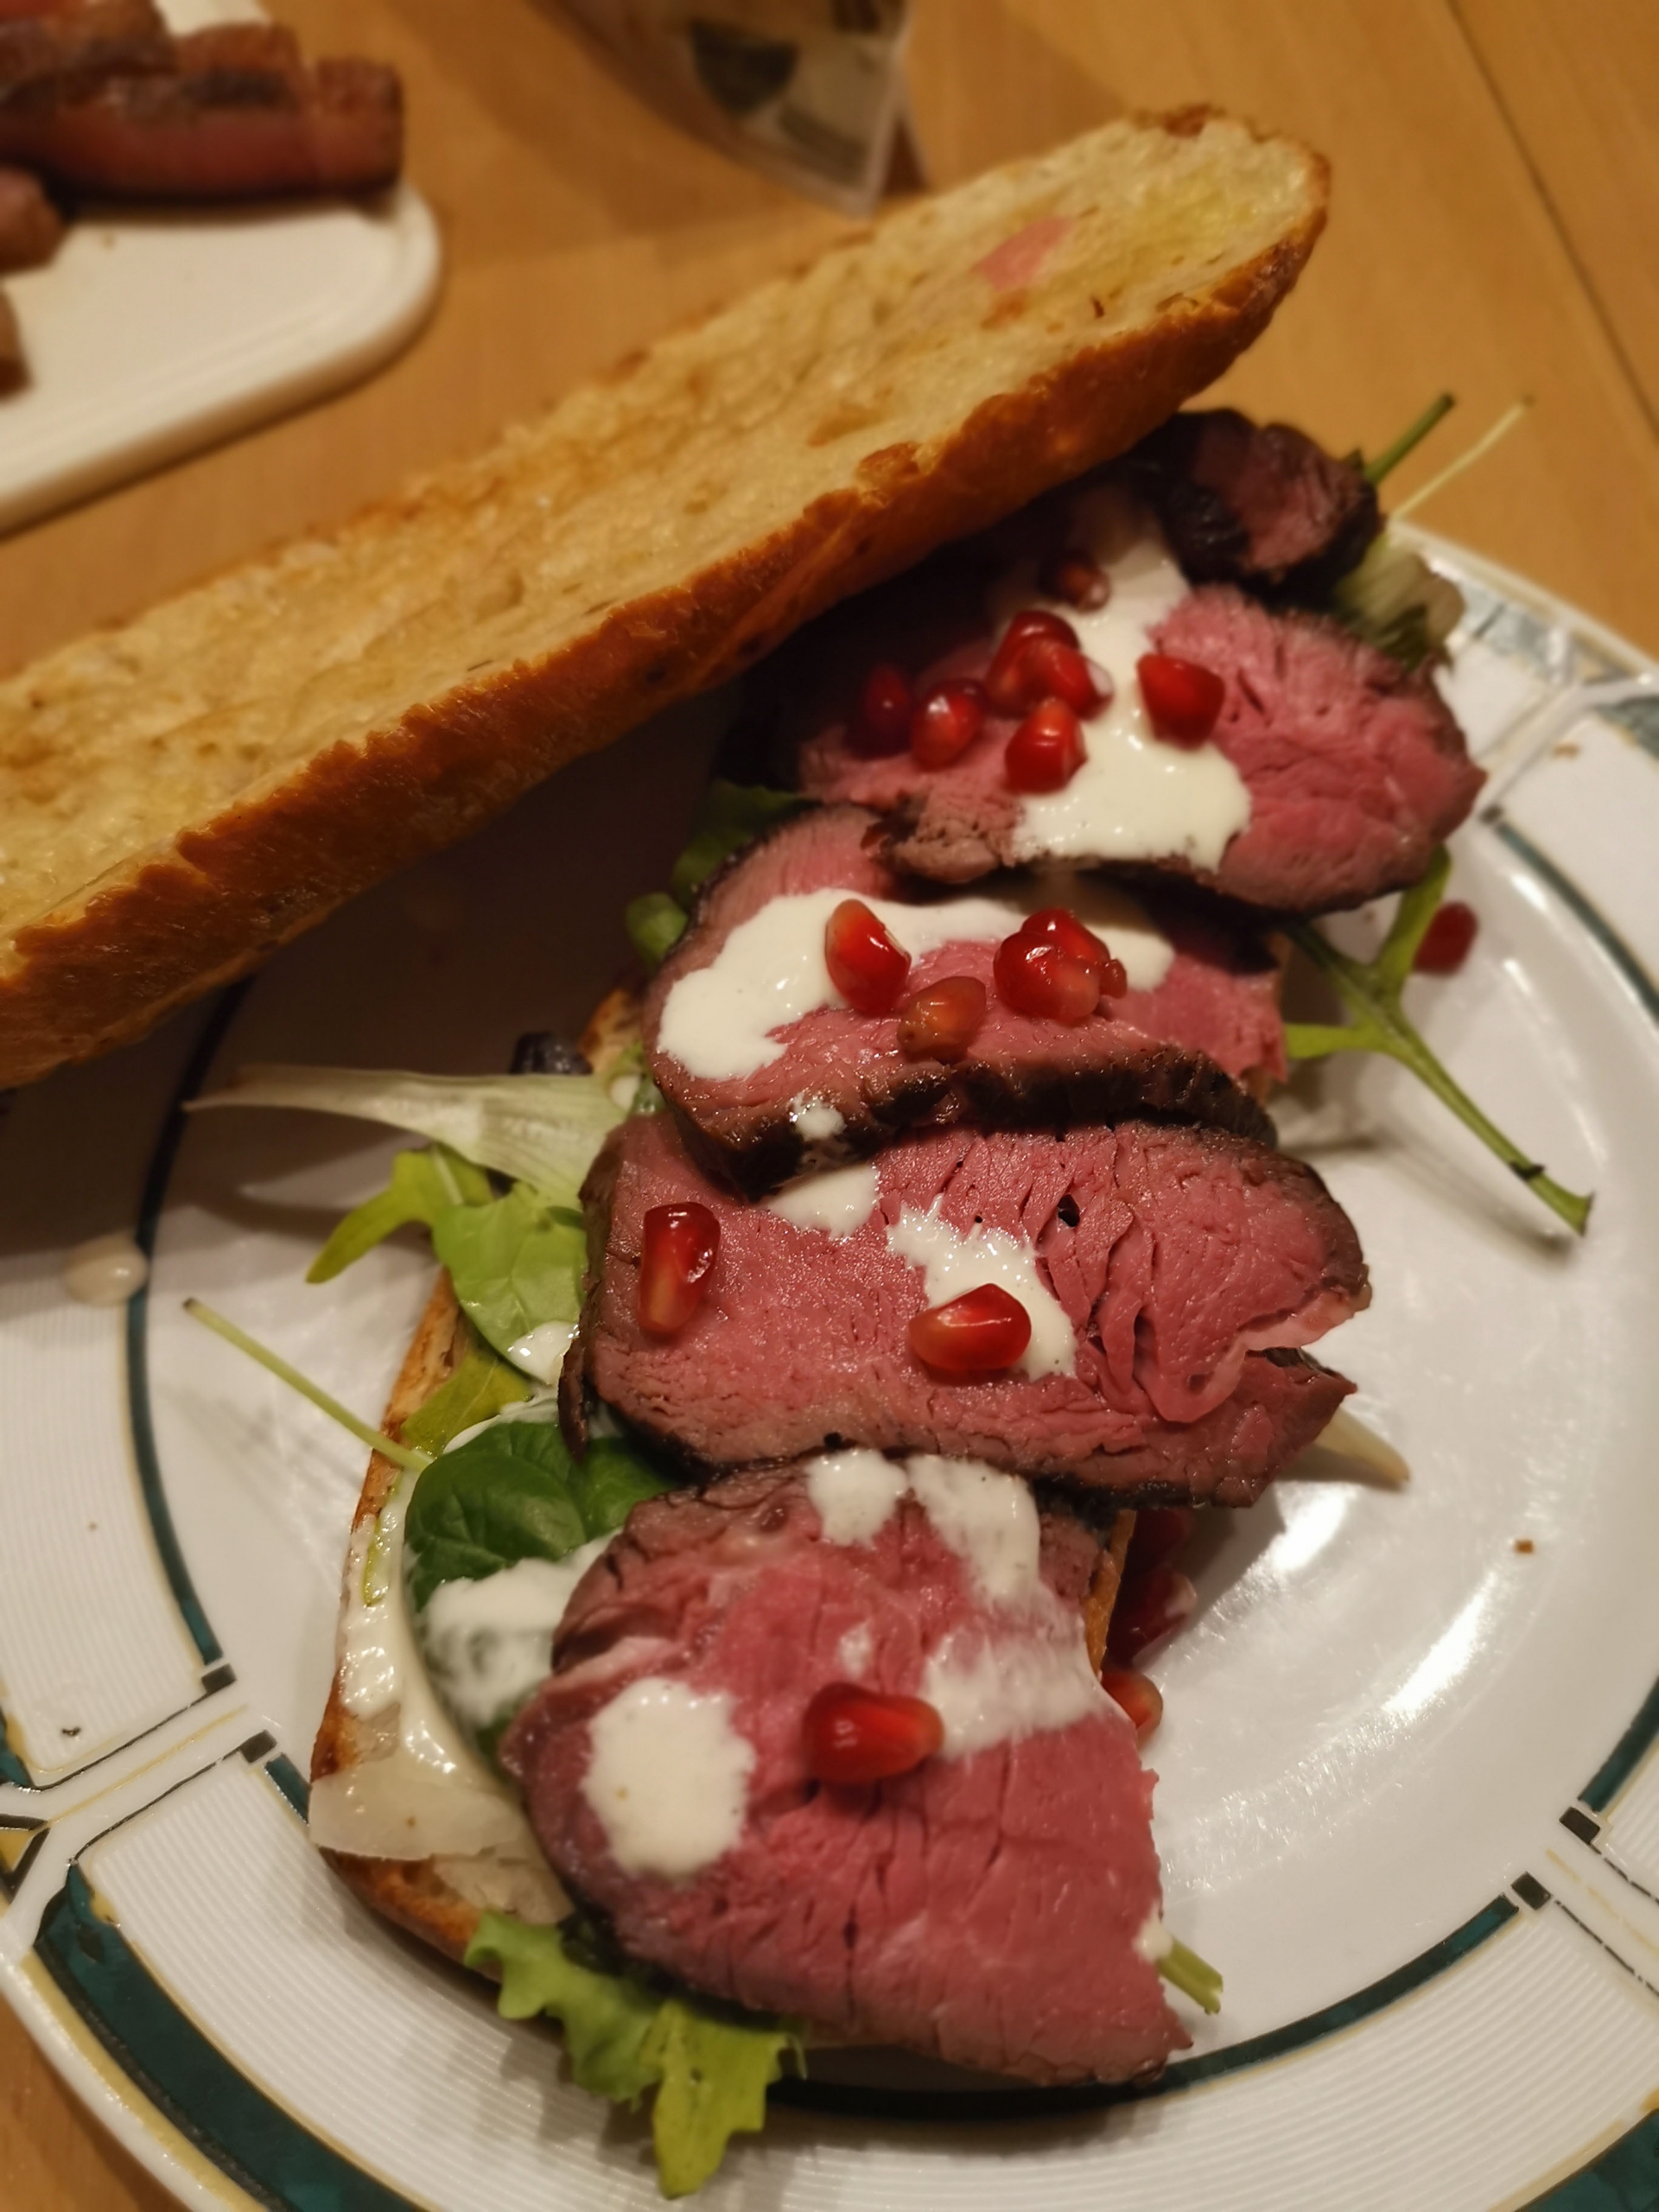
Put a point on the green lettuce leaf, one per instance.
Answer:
(730, 816)
(424, 1185)
(539, 1129)
(710, 2067)
(514, 1493)
(515, 1263)
(655, 924)
(482, 1384)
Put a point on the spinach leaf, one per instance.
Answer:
(515, 1263)
(423, 1186)
(478, 1389)
(514, 1493)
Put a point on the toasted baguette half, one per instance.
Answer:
(180, 796)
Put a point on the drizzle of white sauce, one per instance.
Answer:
(541, 1350)
(815, 1119)
(954, 1263)
(1136, 797)
(428, 1791)
(855, 1493)
(718, 1022)
(854, 1651)
(1153, 1940)
(105, 1270)
(996, 1691)
(839, 1199)
(668, 1777)
(988, 1519)
(489, 1643)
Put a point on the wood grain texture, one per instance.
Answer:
(1579, 88)
(1495, 205)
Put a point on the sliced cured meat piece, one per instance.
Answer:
(30, 227)
(237, 115)
(834, 1085)
(65, 50)
(1164, 1270)
(1256, 503)
(996, 1906)
(1353, 765)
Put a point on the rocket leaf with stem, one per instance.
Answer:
(1371, 990)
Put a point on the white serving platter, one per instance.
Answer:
(1409, 1799)
(154, 331)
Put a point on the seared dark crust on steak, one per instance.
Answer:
(1149, 1054)
(1192, 1254)
(1260, 505)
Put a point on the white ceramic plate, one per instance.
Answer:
(1410, 1796)
(156, 331)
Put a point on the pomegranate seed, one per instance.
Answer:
(1060, 925)
(1004, 682)
(1046, 750)
(946, 721)
(1036, 977)
(866, 966)
(941, 1022)
(975, 1334)
(1046, 668)
(1184, 700)
(1159, 1532)
(1076, 576)
(1148, 1607)
(1141, 1700)
(857, 1735)
(1447, 939)
(881, 722)
(678, 1250)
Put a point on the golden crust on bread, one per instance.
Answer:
(182, 795)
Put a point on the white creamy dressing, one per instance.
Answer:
(1153, 1940)
(668, 1777)
(996, 1692)
(488, 1643)
(1136, 797)
(838, 1199)
(815, 1119)
(541, 1352)
(1031, 1671)
(718, 1022)
(855, 1493)
(953, 1263)
(428, 1791)
(105, 1270)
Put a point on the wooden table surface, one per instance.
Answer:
(1494, 232)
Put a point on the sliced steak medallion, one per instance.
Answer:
(1348, 768)
(832, 1084)
(996, 1906)
(30, 227)
(1256, 504)
(1163, 1268)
